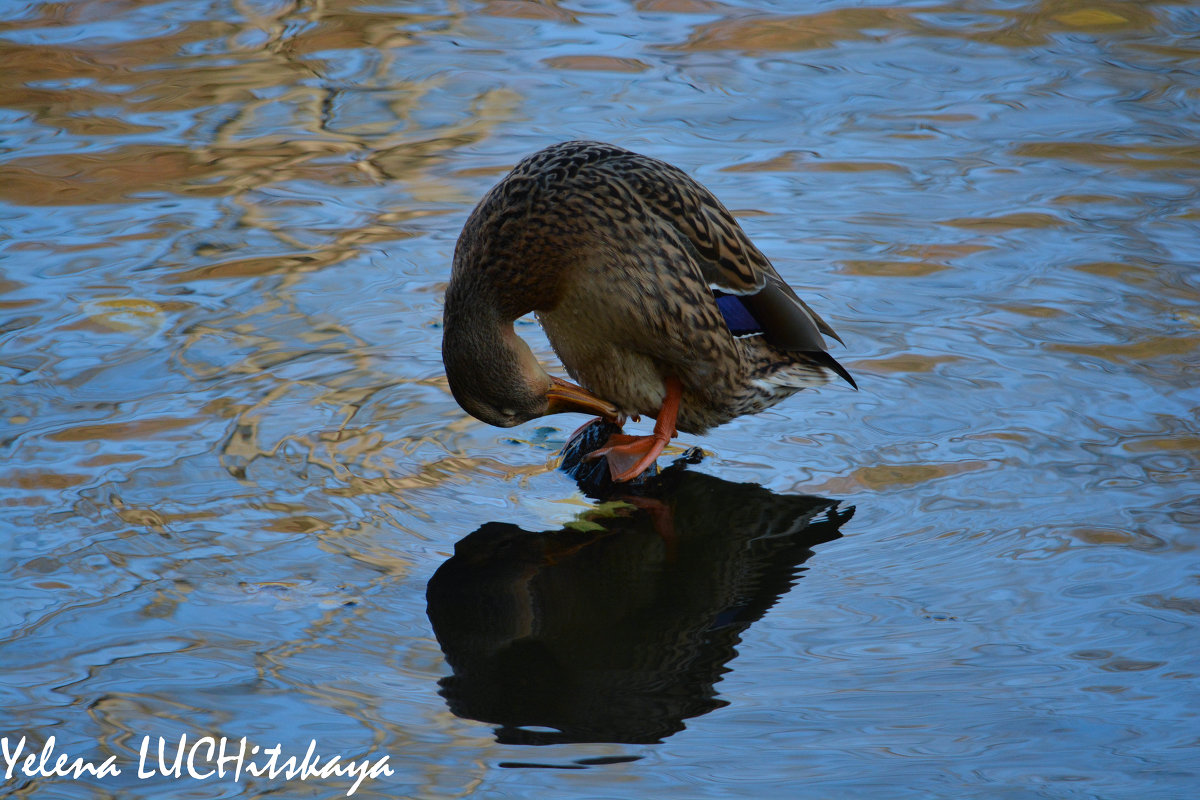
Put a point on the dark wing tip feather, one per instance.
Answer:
(787, 322)
(830, 363)
(743, 321)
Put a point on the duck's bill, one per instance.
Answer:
(566, 396)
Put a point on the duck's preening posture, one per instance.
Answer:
(653, 297)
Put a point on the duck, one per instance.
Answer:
(654, 299)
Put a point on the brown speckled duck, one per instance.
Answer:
(653, 297)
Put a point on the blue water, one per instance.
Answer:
(230, 466)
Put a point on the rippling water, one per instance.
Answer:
(232, 467)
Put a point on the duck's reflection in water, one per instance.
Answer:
(616, 628)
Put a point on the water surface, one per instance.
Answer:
(231, 465)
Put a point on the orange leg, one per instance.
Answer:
(630, 456)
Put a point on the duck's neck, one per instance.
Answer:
(480, 348)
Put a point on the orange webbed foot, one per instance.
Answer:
(630, 456)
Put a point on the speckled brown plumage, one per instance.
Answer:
(618, 254)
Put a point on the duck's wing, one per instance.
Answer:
(727, 258)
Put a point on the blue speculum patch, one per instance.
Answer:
(739, 319)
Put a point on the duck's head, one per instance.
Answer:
(496, 378)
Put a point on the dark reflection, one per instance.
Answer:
(616, 628)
